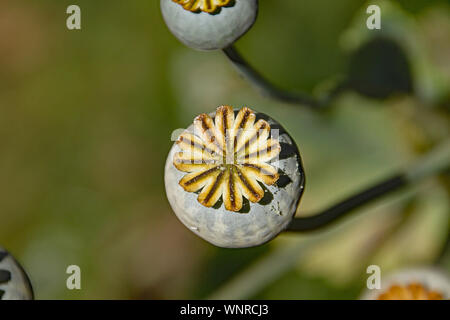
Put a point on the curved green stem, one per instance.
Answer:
(272, 91)
(434, 162)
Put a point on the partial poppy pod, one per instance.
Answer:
(14, 282)
(234, 177)
(412, 284)
(209, 24)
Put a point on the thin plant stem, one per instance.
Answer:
(434, 162)
(271, 266)
(270, 90)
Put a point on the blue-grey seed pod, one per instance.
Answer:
(419, 283)
(209, 24)
(234, 178)
(14, 282)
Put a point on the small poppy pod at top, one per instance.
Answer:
(14, 283)
(234, 177)
(209, 24)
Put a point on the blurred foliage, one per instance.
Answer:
(85, 125)
(366, 76)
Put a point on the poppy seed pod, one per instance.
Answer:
(235, 181)
(14, 283)
(209, 24)
(412, 284)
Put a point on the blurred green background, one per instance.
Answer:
(85, 123)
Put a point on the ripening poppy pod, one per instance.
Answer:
(234, 177)
(14, 282)
(412, 284)
(209, 24)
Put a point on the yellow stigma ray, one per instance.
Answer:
(209, 6)
(412, 291)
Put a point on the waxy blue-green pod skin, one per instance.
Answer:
(14, 283)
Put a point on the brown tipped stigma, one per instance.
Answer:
(209, 6)
(412, 291)
(227, 157)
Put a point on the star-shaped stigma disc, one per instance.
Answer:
(227, 157)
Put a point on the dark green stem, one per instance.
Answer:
(272, 91)
(435, 162)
